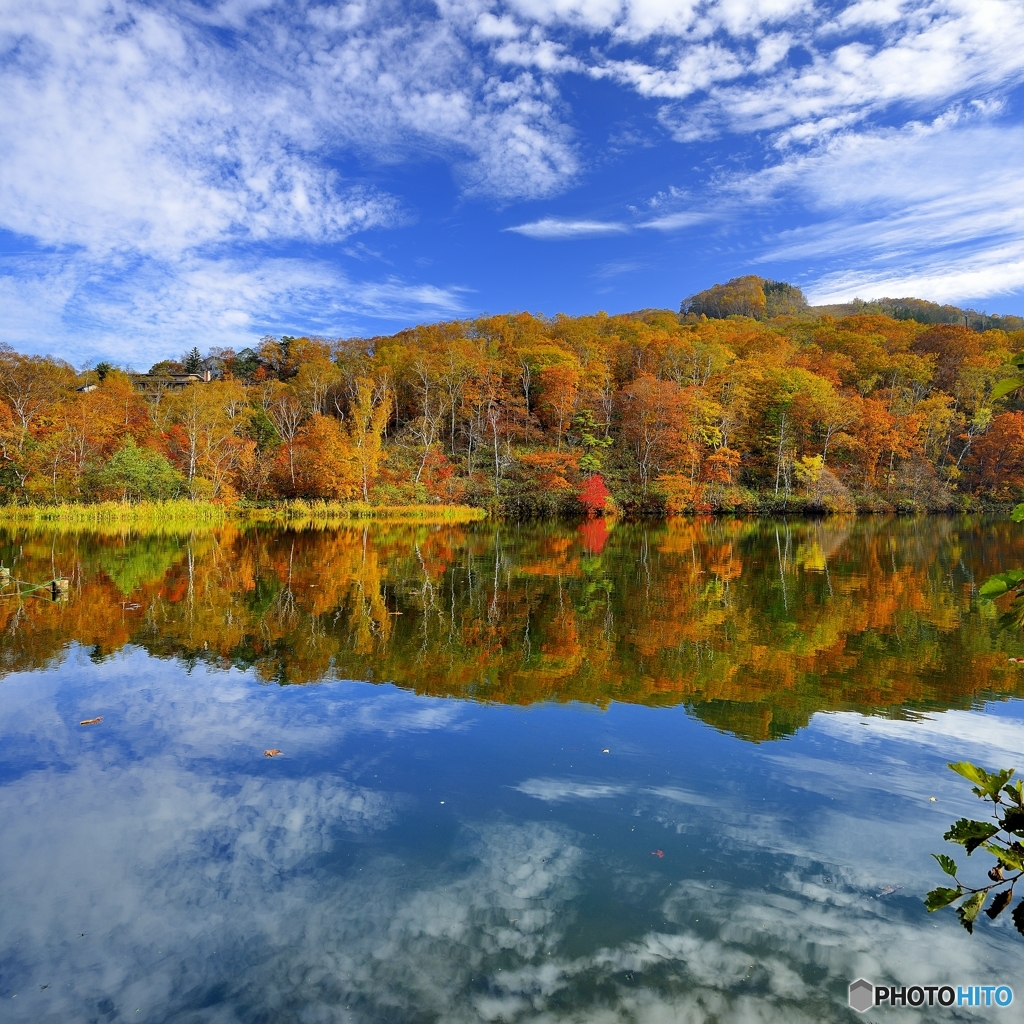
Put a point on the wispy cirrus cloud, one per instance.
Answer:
(934, 210)
(137, 307)
(138, 141)
(729, 64)
(675, 221)
(843, 97)
(125, 125)
(181, 135)
(552, 229)
(549, 228)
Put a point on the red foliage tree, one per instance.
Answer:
(594, 496)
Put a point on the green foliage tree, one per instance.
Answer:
(782, 299)
(192, 361)
(137, 474)
(586, 431)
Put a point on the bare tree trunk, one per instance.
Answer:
(778, 462)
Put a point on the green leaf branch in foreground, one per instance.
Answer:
(1009, 385)
(1009, 582)
(1000, 838)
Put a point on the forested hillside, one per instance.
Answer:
(524, 414)
(762, 299)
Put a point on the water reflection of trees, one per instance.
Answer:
(754, 625)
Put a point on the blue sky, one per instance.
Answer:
(204, 173)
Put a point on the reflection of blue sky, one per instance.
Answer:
(159, 862)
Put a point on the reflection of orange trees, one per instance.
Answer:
(755, 625)
(556, 556)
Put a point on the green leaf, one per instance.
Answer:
(1009, 858)
(1013, 821)
(970, 834)
(1016, 794)
(968, 910)
(995, 782)
(1006, 386)
(1000, 903)
(1017, 515)
(940, 897)
(946, 863)
(1018, 917)
(993, 587)
(988, 783)
(971, 772)
(999, 584)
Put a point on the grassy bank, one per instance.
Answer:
(350, 511)
(183, 513)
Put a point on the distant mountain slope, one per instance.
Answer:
(763, 299)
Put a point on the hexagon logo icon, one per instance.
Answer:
(862, 995)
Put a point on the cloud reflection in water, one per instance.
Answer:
(164, 866)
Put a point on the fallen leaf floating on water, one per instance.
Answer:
(271, 753)
(91, 721)
(888, 890)
(657, 853)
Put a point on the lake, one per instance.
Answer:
(541, 772)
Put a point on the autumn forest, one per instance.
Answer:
(754, 403)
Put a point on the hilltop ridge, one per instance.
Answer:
(764, 299)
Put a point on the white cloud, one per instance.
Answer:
(935, 211)
(156, 154)
(127, 126)
(122, 130)
(536, 51)
(923, 209)
(137, 309)
(675, 221)
(187, 135)
(550, 228)
(984, 274)
(556, 229)
(729, 56)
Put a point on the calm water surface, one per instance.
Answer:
(538, 773)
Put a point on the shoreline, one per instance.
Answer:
(178, 514)
(184, 512)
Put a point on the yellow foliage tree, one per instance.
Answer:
(369, 415)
